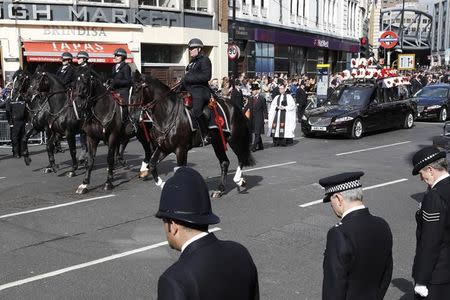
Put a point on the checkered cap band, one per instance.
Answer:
(426, 158)
(343, 187)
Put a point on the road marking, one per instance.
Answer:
(2, 177)
(86, 264)
(373, 148)
(267, 167)
(55, 206)
(364, 189)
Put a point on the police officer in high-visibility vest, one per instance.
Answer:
(66, 72)
(196, 82)
(121, 78)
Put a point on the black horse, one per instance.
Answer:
(172, 133)
(54, 111)
(103, 122)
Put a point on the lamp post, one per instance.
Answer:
(233, 39)
(401, 25)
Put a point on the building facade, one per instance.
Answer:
(293, 36)
(153, 32)
(440, 37)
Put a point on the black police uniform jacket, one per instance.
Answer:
(432, 260)
(15, 111)
(358, 258)
(121, 80)
(66, 75)
(211, 269)
(196, 81)
(258, 112)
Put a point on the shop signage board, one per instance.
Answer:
(407, 61)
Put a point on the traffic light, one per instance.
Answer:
(364, 47)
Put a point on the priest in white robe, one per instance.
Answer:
(282, 116)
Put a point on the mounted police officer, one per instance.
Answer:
(16, 116)
(121, 78)
(83, 59)
(196, 82)
(66, 72)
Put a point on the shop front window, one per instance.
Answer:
(160, 3)
(162, 54)
(198, 5)
(264, 59)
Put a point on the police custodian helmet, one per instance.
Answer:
(66, 55)
(195, 42)
(83, 54)
(120, 52)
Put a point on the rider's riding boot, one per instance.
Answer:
(203, 126)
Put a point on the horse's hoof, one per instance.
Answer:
(243, 183)
(108, 186)
(71, 174)
(143, 174)
(216, 194)
(27, 160)
(48, 170)
(82, 189)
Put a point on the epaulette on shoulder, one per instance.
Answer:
(338, 224)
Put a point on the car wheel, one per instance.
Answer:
(443, 114)
(357, 129)
(409, 121)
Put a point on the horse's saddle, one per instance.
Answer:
(215, 113)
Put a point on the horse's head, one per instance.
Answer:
(87, 87)
(147, 89)
(21, 82)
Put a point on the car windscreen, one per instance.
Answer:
(353, 96)
(435, 92)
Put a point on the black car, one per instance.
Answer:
(433, 102)
(359, 107)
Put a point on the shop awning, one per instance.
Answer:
(51, 51)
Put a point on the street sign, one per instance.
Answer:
(388, 39)
(233, 52)
(323, 71)
(406, 61)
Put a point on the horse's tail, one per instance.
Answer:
(241, 137)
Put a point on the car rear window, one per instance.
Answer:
(439, 92)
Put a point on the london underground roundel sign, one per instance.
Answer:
(388, 39)
(233, 52)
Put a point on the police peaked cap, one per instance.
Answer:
(339, 183)
(185, 198)
(426, 156)
(195, 42)
(83, 54)
(66, 55)
(120, 52)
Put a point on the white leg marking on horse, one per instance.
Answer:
(144, 166)
(160, 183)
(238, 176)
(175, 169)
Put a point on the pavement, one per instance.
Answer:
(55, 244)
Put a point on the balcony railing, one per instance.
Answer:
(245, 8)
(264, 12)
(255, 11)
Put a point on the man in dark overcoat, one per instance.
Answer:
(301, 98)
(358, 256)
(208, 268)
(431, 268)
(258, 113)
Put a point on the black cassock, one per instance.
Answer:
(432, 261)
(358, 258)
(211, 269)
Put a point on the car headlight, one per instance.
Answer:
(434, 107)
(304, 118)
(343, 119)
